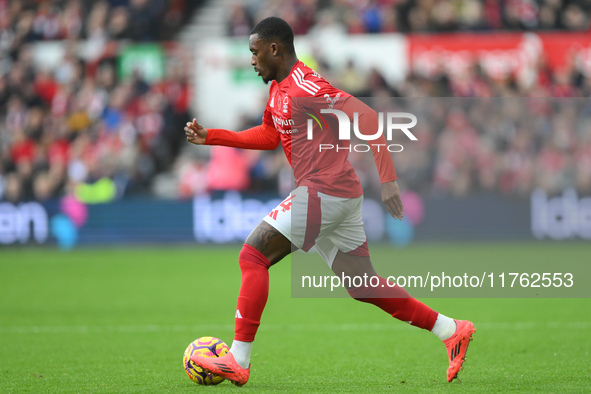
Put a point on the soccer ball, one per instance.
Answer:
(204, 347)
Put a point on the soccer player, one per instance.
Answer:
(323, 211)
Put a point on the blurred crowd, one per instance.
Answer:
(509, 145)
(78, 120)
(413, 16)
(81, 121)
(480, 132)
(24, 21)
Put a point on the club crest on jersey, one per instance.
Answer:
(285, 104)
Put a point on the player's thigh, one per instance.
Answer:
(298, 217)
(349, 235)
(342, 229)
(274, 236)
(327, 250)
(270, 242)
(350, 265)
(353, 263)
(352, 256)
(280, 218)
(332, 212)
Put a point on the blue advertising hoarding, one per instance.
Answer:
(229, 218)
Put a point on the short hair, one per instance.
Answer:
(274, 28)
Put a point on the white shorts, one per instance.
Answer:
(309, 218)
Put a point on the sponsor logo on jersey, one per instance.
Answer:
(282, 123)
(332, 100)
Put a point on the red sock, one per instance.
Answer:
(254, 291)
(397, 302)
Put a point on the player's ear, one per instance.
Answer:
(274, 47)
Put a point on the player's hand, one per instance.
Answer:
(391, 199)
(196, 134)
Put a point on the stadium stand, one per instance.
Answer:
(80, 121)
(406, 16)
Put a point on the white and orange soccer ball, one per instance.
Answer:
(204, 347)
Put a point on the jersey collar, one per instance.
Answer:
(285, 82)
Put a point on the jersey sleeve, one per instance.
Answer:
(262, 137)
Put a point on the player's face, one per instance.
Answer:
(262, 58)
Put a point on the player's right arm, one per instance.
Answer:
(263, 137)
(368, 122)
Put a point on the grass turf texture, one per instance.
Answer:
(119, 320)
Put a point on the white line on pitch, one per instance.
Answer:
(211, 328)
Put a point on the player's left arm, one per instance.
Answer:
(262, 137)
(368, 124)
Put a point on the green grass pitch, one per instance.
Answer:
(119, 320)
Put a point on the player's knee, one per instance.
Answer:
(359, 293)
(358, 298)
(269, 242)
(250, 257)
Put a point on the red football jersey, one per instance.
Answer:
(295, 118)
(328, 171)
